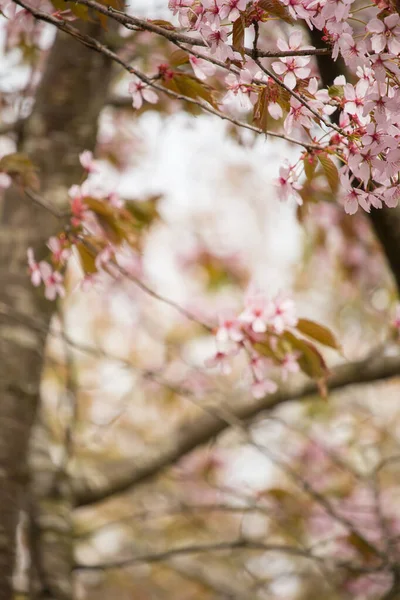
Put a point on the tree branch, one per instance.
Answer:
(207, 426)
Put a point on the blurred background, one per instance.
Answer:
(295, 503)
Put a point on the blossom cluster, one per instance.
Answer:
(92, 237)
(258, 330)
(366, 137)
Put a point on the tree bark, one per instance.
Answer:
(69, 99)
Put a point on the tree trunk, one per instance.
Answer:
(63, 123)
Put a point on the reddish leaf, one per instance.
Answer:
(260, 114)
(274, 8)
(318, 332)
(310, 164)
(311, 362)
(21, 169)
(238, 35)
(179, 58)
(162, 23)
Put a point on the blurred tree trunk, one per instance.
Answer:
(70, 97)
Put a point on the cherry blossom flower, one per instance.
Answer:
(34, 268)
(219, 361)
(241, 87)
(8, 8)
(354, 98)
(60, 254)
(216, 40)
(353, 197)
(275, 110)
(104, 257)
(128, 260)
(261, 388)
(257, 312)
(230, 9)
(53, 282)
(87, 162)
(141, 93)
(292, 68)
(229, 332)
(201, 67)
(287, 185)
(284, 313)
(289, 365)
(298, 114)
(386, 33)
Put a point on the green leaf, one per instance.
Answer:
(330, 171)
(318, 332)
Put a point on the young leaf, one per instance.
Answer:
(179, 58)
(260, 114)
(238, 35)
(275, 9)
(318, 332)
(87, 259)
(20, 168)
(330, 170)
(191, 87)
(311, 362)
(310, 164)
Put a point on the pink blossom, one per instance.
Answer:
(8, 8)
(259, 389)
(78, 208)
(34, 268)
(354, 98)
(284, 313)
(128, 260)
(385, 33)
(216, 39)
(292, 68)
(212, 12)
(87, 161)
(229, 332)
(53, 282)
(201, 67)
(290, 365)
(298, 114)
(241, 86)
(288, 185)
(141, 92)
(104, 257)
(221, 362)
(230, 9)
(257, 312)
(60, 254)
(275, 110)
